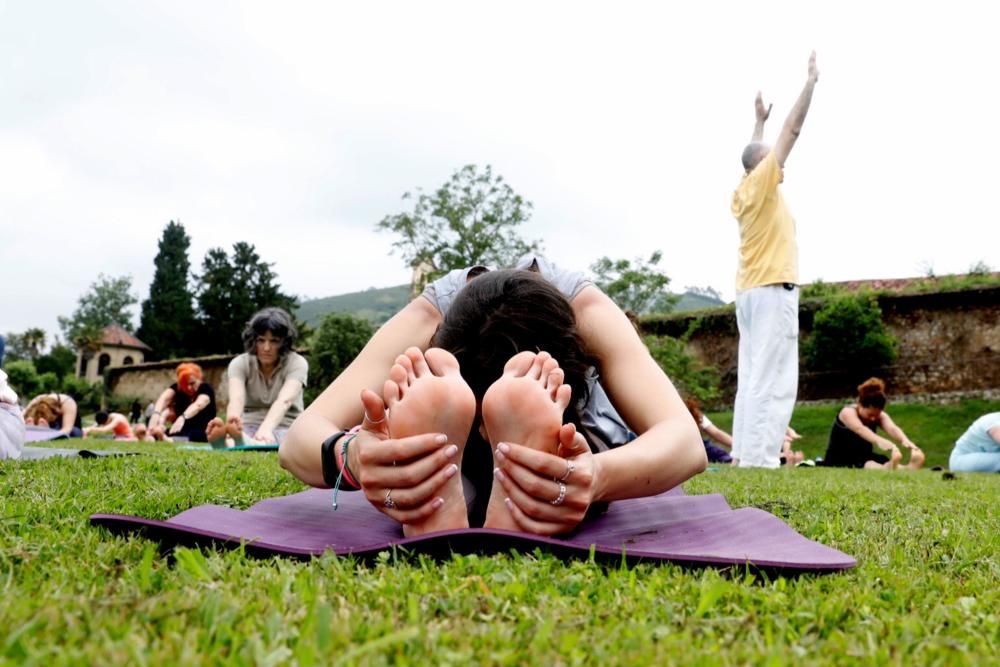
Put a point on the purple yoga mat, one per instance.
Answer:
(668, 527)
(41, 434)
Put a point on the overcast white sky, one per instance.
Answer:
(297, 126)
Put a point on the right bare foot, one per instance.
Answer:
(425, 393)
(525, 406)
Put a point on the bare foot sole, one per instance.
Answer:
(425, 393)
(216, 432)
(524, 406)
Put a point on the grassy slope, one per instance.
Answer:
(927, 589)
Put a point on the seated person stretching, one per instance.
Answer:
(265, 384)
(527, 381)
(190, 400)
(855, 430)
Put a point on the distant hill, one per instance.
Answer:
(379, 304)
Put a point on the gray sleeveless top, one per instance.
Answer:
(605, 427)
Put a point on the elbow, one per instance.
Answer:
(694, 457)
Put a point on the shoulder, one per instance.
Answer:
(441, 292)
(206, 389)
(570, 283)
(297, 361)
(240, 363)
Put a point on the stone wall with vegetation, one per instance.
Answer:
(147, 381)
(948, 342)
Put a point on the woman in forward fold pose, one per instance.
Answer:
(189, 404)
(114, 423)
(265, 383)
(516, 379)
(55, 411)
(855, 430)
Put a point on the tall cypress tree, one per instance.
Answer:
(168, 322)
(230, 291)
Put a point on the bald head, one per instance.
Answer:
(753, 154)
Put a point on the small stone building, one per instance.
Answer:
(116, 347)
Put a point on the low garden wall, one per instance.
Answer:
(948, 342)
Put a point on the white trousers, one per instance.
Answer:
(767, 373)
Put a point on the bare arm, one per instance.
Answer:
(719, 436)
(69, 412)
(851, 420)
(894, 432)
(237, 398)
(339, 406)
(164, 400)
(793, 124)
(289, 392)
(762, 116)
(668, 450)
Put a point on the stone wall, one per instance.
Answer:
(948, 342)
(147, 381)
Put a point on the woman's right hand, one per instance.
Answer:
(410, 471)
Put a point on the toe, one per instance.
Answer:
(441, 362)
(416, 356)
(518, 365)
(563, 396)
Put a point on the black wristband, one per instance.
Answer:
(328, 456)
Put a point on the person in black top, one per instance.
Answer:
(189, 404)
(855, 430)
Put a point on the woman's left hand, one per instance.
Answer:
(548, 494)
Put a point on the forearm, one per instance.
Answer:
(289, 392)
(797, 116)
(665, 456)
(758, 131)
(196, 407)
(299, 453)
(237, 399)
(719, 436)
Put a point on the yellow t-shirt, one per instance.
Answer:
(768, 252)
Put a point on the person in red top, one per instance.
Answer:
(111, 422)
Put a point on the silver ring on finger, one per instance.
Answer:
(562, 495)
(389, 503)
(570, 467)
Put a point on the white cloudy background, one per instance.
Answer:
(297, 126)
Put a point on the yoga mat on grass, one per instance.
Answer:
(237, 448)
(700, 530)
(35, 453)
(42, 434)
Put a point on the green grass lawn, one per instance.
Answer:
(926, 591)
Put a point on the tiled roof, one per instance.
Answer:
(115, 335)
(895, 284)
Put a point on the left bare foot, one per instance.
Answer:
(524, 406)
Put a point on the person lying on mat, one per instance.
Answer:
(111, 422)
(855, 430)
(712, 434)
(978, 450)
(55, 411)
(265, 383)
(191, 400)
(526, 380)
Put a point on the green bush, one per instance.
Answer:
(821, 290)
(848, 335)
(23, 378)
(339, 338)
(689, 376)
(86, 394)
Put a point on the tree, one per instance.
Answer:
(25, 346)
(108, 302)
(230, 291)
(168, 320)
(60, 360)
(640, 287)
(471, 219)
(337, 341)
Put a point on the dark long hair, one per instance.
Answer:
(500, 313)
(275, 320)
